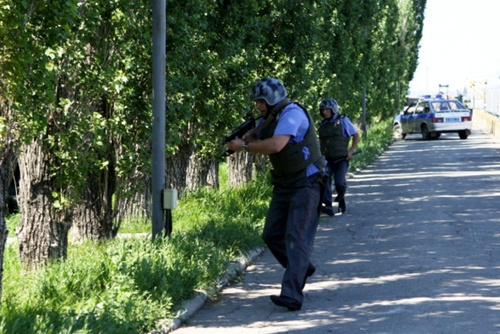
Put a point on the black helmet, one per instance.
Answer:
(329, 103)
(269, 89)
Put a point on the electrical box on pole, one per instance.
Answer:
(169, 199)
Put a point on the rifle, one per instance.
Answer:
(239, 132)
(250, 124)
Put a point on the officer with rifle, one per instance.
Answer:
(287, 134)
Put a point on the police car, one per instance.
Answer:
(431, 117)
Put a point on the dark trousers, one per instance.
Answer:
(338, 171)
(290, 230)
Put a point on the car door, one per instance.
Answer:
(417, 116)
(405, 118)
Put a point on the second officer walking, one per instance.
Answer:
(335, 133)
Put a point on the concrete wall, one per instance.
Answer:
(486, 121)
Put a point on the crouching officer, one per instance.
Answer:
(286, 133)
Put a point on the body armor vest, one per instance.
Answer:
(334, 145)
(289, 164)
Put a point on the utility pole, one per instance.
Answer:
(158, 152)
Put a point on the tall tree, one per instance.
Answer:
(115, 72)
(33, 88)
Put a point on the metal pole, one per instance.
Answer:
(158, 173)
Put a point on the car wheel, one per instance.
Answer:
(425, 132)
(398, 132)
(463, 134)
(434, 135)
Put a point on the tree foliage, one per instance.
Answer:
(217, 49)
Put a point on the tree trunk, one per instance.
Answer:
(213, 175)
(239, 167)
(139, 205)
(197, 173)
(43, 228)
(177, 166)
(94, 216)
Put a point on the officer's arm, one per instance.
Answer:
(267, 146)
(270, 145)
(354, 144)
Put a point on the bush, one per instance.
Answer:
(377, 139)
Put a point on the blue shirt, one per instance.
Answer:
(293, 121)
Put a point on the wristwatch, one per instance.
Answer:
(245, 146)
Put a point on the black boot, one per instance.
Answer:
(342, 206)
(291, 304)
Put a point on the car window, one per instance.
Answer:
(441, 106)
(410, 109)
(422, 107)
(456, 105)
(419, 109)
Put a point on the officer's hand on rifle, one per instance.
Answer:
(240, 132)
(250, 136)
(235, 145)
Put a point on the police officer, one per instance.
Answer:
(335, 133)
(286, 133)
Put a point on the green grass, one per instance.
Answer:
(377, 139)
(12, 221)
(136, 225)
(128, 285)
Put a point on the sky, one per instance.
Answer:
(460, 42)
